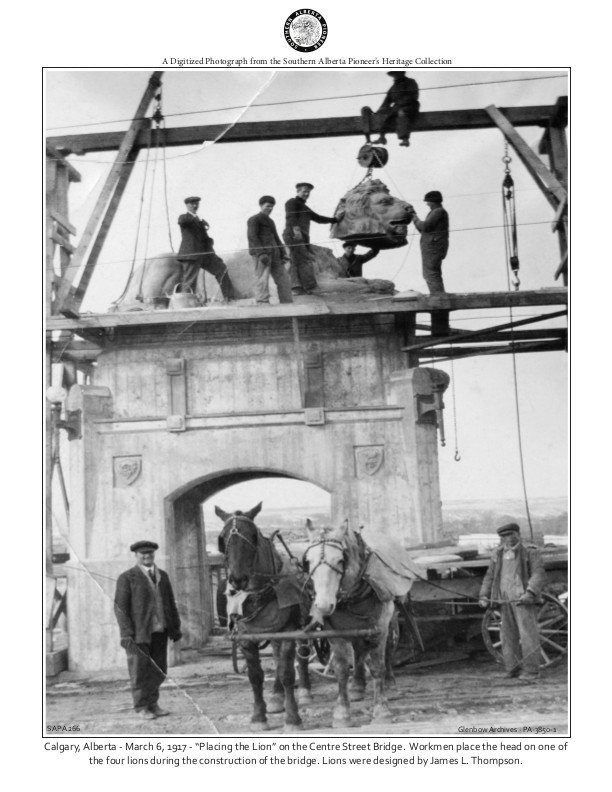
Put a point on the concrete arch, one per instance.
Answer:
(185, 541)
(209, 485)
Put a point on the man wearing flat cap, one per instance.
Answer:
(297, 238)
(401, 104)
(514, 581)
(269, 255)
(196, 251)
(147, 616)
(434, 247)
(351, 263)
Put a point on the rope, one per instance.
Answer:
(166, 187)
(146, 250)
(511, 246)
(457, 456)
(144, 182)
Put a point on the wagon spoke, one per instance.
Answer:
(556, 646)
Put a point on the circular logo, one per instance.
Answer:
(305, 30)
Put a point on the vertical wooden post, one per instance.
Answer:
(406, 326)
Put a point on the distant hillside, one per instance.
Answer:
(548, 515)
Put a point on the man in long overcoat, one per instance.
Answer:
(196, 251)
(268, 252)
(297, 238)
(514, 581)
(147, 616)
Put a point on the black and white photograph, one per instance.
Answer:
(306, 398)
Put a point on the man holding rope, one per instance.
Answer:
(514, 580)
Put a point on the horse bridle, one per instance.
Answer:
(234, 530)
(322, 561)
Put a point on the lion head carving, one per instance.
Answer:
(372, 217)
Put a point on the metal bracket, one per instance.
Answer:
(71, 423)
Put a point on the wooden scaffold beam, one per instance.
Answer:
(70, 293)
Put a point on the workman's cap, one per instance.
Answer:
(143, 545)
(349, 244)
(396, 73)
(192, 199)
(304, 184)
(435, 196)
(508, 529)
(266, 199)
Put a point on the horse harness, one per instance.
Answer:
(361, 588)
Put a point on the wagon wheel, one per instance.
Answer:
(553, 624)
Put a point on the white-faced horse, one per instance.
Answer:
(336, 560)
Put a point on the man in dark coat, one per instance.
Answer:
(196, 251)
(514, 581)
(268, 253)
(401, 105)
(351, 263)
(434, 240)
(297, 237)
(434, 247)
(147, 616)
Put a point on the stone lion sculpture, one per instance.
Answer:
(372, 217)
(151, 284)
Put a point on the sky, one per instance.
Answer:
(466, 166)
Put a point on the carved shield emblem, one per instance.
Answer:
(127, 470)
(369, 460)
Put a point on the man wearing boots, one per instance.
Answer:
(147, 616)
(514, 581)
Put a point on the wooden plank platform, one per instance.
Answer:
(315, 306)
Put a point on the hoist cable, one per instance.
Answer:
(508, 242)
(139, 295)
(166, 186)
(140, 209)
(457, 456)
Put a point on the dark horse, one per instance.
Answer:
(270, 598)
(344, 600)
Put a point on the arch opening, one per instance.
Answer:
(192, 528)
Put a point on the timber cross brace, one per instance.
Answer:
(72, 285)
(552, 182)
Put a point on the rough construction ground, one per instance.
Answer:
(206, 696)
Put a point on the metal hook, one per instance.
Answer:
(457, 456)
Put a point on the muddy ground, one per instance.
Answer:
(206, 696)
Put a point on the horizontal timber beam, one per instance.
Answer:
(454, 353)
(487, 333)
(315, 306)
(248, 131)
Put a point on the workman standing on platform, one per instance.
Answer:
(434, 247)
(297, 237)
(147, 616)
(352, 264)
(514, 581)
(434, 240)
(401, 105)
(268, 254)
(196, 251)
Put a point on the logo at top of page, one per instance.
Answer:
(305, 30)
